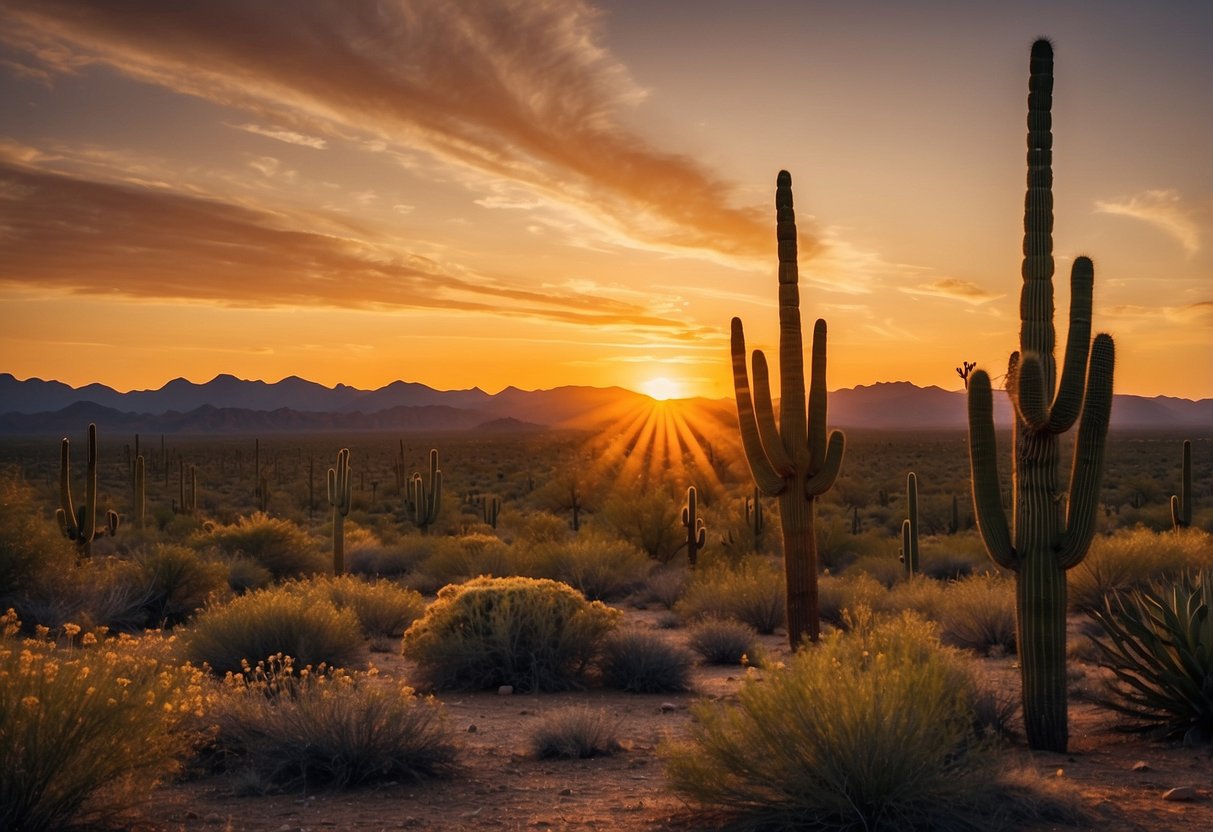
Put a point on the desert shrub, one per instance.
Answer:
(32, 551)
(278, 545)
(389, 560)
(885, 568)
(244, 574)
(271, 621)
(871, 730)
(837, 596)
(530, 633)
(336, 729)
(575, 733)
(954, 556)
(1132, 559)
(641, 661)
(648, 521)
(1158, 643)
(665, 586)
(979, 613)
(597, 567)
(179, 582)
(382, 608)
(99, 592)
(539, 527)
(754, 594)
(86, 732)
(920, 594)
(455, 559)
(722, 641)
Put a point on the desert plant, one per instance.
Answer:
(843, 595)
(1158, 642)
(909, 528)
(529, 633)
(596, 566)
(79, 523)
(31, 554)
(575, 733)
(86, 732)
(752, 593)
(722, 640)
(1181, 503)
(278, 545)
(454, 559)
(1045, 539)
(338, 729)
(1133, 559)
(179, 582)
(383, 608)
(425, 503)
(641, 661)
(794, 461)
(978, 613)
(271, 621)
(697, 533)
(339, 490)
(873, 730)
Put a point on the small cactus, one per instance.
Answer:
(697, 533)
(1181, 503)
(909, 528)
(339, 491)
(427, 502)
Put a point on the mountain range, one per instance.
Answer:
(227, 404)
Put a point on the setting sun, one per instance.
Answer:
(662, 388)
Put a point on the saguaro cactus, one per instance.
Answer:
(426, 503)
(909, 527)
(793, 461)
(697, 533)
(1181, 503)
(339, 490)
(140, 491)
(79, 523)
(1050, 533)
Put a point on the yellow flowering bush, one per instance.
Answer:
(88, 724)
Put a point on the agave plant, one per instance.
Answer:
(1159, 644)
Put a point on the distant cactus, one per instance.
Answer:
(1050, 534)
(575, 504)
(187, 502)
(79, 523)
(697, 533)
(491, 509)
(755, 519)
(339, 492)
(1181, 503)
(139, 502)
(427, 502)
(909, 528)
(793, 461)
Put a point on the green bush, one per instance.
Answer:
(575, 733)
(383, 608)
(644, 662)
(1158, 643)
(722, 640)
(979, 613)
(337, 729)
(873, 729)
(86, 732)
(530, 633)
(1132, 559)
(278, 545)
(179, 583)
(753, 593)
(597, 567)
(275, 621)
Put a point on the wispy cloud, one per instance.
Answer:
(1163, 208)
(519, 91)
(288, 136)
(953, 289)
(1199, 315)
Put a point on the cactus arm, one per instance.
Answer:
(1068, 403)
(88, 524)
(816, 426)
(66, 513)
(983, 462)
(772, 444)
(1087, 471)
(821, 481)
(764, 473)
(1031, 404)
(793, 420)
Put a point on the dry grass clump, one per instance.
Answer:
(640, 661)
(179, 582)
(529, 633)
(86, 730)
(456, 559)
(753, 593)
(722, 641)
(600, 568)
(274, 621)
(384, 609)
(576, 733)
(278, 545)
(979, 613)
(1132, 559)
(836, 596)
(287, 729)
(873, 729)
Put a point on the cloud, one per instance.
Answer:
(518, 91)
(954, 289)
(1198, 315)
(288, 136)
(1162, 208)
(77, 235)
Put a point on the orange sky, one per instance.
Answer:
(548, 192)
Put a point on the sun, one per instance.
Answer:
(662, 388)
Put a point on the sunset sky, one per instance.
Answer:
(549, 192)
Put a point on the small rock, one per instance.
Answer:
(472, 728)
(1141, 765)
(505, 690)
(666, 707)
(565, 792)
(191, 815)
(1180, 793)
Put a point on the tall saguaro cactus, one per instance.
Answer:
(793, 461)
(426, 503)
(78, 523)
(909, 528)
(697, 533)
(1181, 503)
(1050, 533)
(340, 486)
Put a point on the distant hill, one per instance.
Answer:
(226, 404)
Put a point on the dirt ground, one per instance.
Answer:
(1121, 778)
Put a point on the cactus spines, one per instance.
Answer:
(427, 502)
(1049, 533)
(339, 489)
(1181, 503)
(78, 523)
(697, 533)
(909, 528)
(794, 461)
